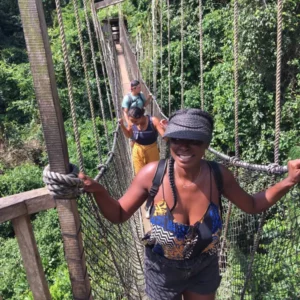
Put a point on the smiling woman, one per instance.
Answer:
(181, 248)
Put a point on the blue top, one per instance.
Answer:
(177, 241)
(145, 137)
(132, 101)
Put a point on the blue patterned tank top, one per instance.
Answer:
(177, 241)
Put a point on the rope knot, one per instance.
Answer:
(63, 186)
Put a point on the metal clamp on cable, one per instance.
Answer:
(101, 167)
(273, 168)
(63, 186)
(233, 160)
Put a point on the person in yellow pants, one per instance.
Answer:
(143, 130)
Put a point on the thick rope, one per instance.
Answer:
(169, 60)
(95, 70)
(236, 117)
(105, 57)
(277, 139)
(103, 67)
(278, 81)
(161, 49)
(62, 186)
(70, 86)
(236, 79)
(201, 55)
(154, 54)
(87, 80)
(182, 41)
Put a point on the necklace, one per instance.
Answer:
(193, 181)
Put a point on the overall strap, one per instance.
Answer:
(214, 166)
(131, 101)
(156, 182)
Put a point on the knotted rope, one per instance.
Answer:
(63, 186)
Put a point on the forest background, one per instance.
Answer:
(22, 149)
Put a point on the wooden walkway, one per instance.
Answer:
(126, 89)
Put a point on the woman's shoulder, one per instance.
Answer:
(149, 169)
(219, 169)
(146, 174)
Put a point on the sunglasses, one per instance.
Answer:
(185, 141)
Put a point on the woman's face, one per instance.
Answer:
(135, 121)
(187, 153)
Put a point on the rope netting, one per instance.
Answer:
(279, 242)
(114, 253)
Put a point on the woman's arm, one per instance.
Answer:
(121, 210)
(148, 100)
(261, 201)
(126, 130)
(125, 114)
(157, 125)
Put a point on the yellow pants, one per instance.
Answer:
(142, 155)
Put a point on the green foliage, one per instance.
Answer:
(61, 288)
(13, 282)
(257, 68)
(22, 178)
(88, 143)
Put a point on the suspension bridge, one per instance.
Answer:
(105, 260)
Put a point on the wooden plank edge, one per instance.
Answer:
(25, 203)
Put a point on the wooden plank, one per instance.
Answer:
(25, 203)
(31, 258)
(40, 58)
(106, 3)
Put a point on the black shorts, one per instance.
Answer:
(167, 279)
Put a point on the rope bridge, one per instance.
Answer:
(252, 247)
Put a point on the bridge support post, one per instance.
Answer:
(31, 257)
(37, 42)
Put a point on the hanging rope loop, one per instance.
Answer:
(63, 186)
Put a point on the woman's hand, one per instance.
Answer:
(163, 123)
(89, 184)
(294, 171)
(150, 97)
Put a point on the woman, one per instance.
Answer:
(181, 249)
(143, 130)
